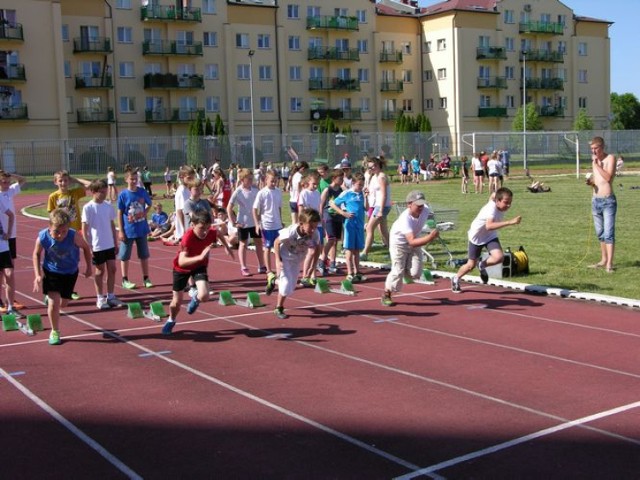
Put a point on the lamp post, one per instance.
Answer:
(524, 109)
(253, 129)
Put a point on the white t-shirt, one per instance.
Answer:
(268, 202)
(405, 224)
(293, 246)
(181, 196)
(476, 164)
(310, 199)
(4, 224)
(294, 192)
(111, 178)
(245, 199)
(374, 187)
(98, 216)
(14, 189)
(478, 233)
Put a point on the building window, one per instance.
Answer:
(427, 75)
(508, 16)
(427, 47)
(407, 105)
(295, 104)
(407, 76)
(125, 35)
(509, 72)
(428, 104)
(69, 103)
(127, 104)
(242, 40)
(562, 47)
(442, 74)
(361, 15)
(264, 72)
(266, 104)
(443, 102)
(210, 39)
(209, 7)
(211, 71)
(562, 19)
(485, 101)
(442, 44)
(363, 75)
(124, 4)
(126, 69)
(294, 42)
(509, 44)
(244, 72)
(244, 104)
(67, 69)
(582, 49)
(406, 48)
(582, 76)
(293, 11)
(295, 73)
(511, 101)
(365, 104)
(363, 46)
(212, 104)
(264, 40)
(65, 33)
(582, 102)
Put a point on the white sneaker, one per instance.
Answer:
(115, 302)
(103, 304)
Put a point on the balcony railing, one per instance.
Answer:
(492, 111)
(14, 112)
(334, 83)
(170, 47)
(92, 45)
(11, 32)
(542, 27)
(90, 115)
(89, 81)
(491, 53)
(393, 57)
(542, 56)
(172, 115)
(12, 73)
(389, 115)
(171, 80)
(492, 82)
(332, 53)
(333, 23)
(336, 113)
(392, 86)
(170, 13)
(351, 114)
(545, 83)
(550, 111)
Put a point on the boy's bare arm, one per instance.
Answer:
(18, 178)
(37, 267)
(493, 225)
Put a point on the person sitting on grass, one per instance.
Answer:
(56, 275)
(159, 218)
(192, 261)
(164, 231)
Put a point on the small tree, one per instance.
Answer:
(583, 121)
(534, 123)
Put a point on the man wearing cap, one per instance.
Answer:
(405, 246)
(345, 165)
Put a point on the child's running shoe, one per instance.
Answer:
(484, 276)
(54, 338)
(245, 272)
(262, 269)
(115, 302)
(386, 300)
(271, 283)
(75, 296)
(358, 277)
(13, 311)
(193, 305)
(349, 278)
(307, 282)
(455, 285)
(167, 329)
(103, 304)
(279, 311)
(147, 283)
(333, 268)
(128, 285)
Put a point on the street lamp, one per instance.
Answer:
(253, 127)
(524, 109)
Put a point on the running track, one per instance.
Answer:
(488, 384)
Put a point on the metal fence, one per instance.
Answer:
(92, 156)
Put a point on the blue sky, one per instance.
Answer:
(625, 68)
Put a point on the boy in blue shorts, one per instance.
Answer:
(56, 275)
(192, 262)
(267, 215)
(133, 204)
(350, 204)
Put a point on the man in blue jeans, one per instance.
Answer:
(603, 203)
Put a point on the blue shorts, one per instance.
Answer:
(269, 238)
(604, 211)
(293, 206)
(353, 238)
(126, 247)
(475, 250)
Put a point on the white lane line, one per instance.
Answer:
(90, 442)
(518, 441)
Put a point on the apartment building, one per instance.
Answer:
(131, 68)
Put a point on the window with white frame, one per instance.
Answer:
(242, 40)
(264, 73)
(442, 44)
(428, 104)
(126, 69)
(266, 104)
(361, 15)
(427, 75)
(582, 76)
(244, 104)
(562, 47)
(125, 35)
(244, 71)
(443, 102)
(545, 18)
(267, 144)
(407, 105)
(406, 48)
(127, 104)
(124, 4)
(442, 74)
(209, 7)
(294, 42)
(65, 33)
(562, 19)
(264, 40)
(365, 104)
(363, 46)
(582, 49)
(582, 102)
(485, 101)
(427, 46)
(509, 44)
(212, 104)
(509, 72)
(407, 76)
(67, 69)
(363, 75)
(186, 69)
(508, 16)
(295, 73)
(525, 44)
(510, 100)
(210, 39)
(152, 67)
(316, 72)
(313, 11)
(342, 44)
(484, 41)
(211, 71)
(295, 104)
(315, 42)
(293, 11)
(344, 73)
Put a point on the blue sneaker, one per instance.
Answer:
(193, 305)
(168, 327)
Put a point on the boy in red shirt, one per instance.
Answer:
(192, 261)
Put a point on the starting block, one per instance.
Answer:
(226, 298)
(156, 312)
(253, 301)
(134, 310)
(323, 286)
(346, 288)
(9, 322)
(425, 278)
(34, 322)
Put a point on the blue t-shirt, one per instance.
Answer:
(60, 257)
(415, 165)
(160, 218)
(132, 207)
(352, 202)
(404, 166)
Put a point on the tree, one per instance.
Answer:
(533, 120)
(583, 121)
(626, 112)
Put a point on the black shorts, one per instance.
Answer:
(5, 260)
(246, 232)
(180, 280)
(333, 226)
(478, 173)
(62, 283)
(103, 256)
(12, 248)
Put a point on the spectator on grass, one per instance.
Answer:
(380, 187)
(478, 173)
(11, 185)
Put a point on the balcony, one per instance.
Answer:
(334, 83)
(485, 112)
(545, 83)
(172, 115)
(550, 111)
(336, 114)
(542, 56)
(542, 27)
(14, 112)
(173, 81)
(12, 73)
(351, 114)
(492, 82)
(332, 53)
(389, 115)
(92, 45)
(169, 13)
(392, 86)
(90, 81)
(11, 32)
(391, 57)
(491, 53)
(171, 47)
(333, 23)
(90, 115)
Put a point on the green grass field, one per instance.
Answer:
(556, 230)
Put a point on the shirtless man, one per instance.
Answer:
(603, 203)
